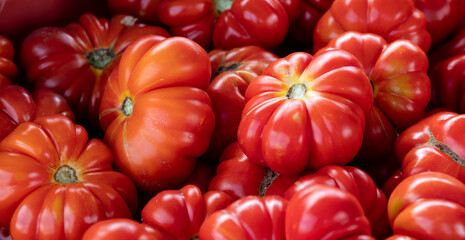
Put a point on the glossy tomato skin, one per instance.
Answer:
(356, 182)
(391, 21)
(17, 105)
(263, 22)
(401, 87)
(433, 144)
(448, 83)
(251, 217)
(8, 68)
(180, 213)
(312, 211)
(232, 71)
(443, 18)
(296, 110)
(155, 113)
(428, 205)
(121, 229)
(239, 177)
(145, 10)
(91, 48)
(56, 183)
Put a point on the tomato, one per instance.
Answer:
(145, 10)
(91, 48)
(433, 144)
(201, 176)
(323, 212)
(180, 213)
(297, 109)
(443, 17)
(400, 237)
(251, 217)
(229, 24)
(8, 68)
(401, 20)
(233, 70)
(155, 113)
(17, 105)
(237, 176)
(428, 205)
(356, 182)
(401, 87)
(121, 228)
(56, 183)
(448, 78)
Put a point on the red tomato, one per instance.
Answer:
(443, 17)
(122, 229)
(145, 10)
(435, 143)
(91, 48)
(155, 113)
(356, 182)
(323, 212)
(8, 69)
(229, 24)
(248, 218)
(233, 70)
(448, 80)
(17, 105)
(306, 112)
(401, 87)
(55, 183)
(237, 176)
(180, 213)
(401, 20)
(429, 205)
(400, 237)
(453, 46)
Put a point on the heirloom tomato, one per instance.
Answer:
(428, 205)
(90, 49)
(448, 83)
(17, 105)
(56, 183)
(324, 212)
(144, 10)
(443, 17)
(401, 87)
(232, 71)
(306, 112)
(227, 24)
(401, 20)
(155, 113)
(435, 143)
(356, 182)
(121, 229)
(180, 213)
(248, 218)
(8, 68)
(237, 176)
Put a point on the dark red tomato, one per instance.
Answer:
(240, 177)
(8, 68)
(401, 20)
(90, 48)
(17, 105)
(232, 71)
(144, 10)
(229, 24)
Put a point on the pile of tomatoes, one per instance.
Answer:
(223, 119)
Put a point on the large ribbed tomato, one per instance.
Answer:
(155, 113)
(55, 183)
(75, 61)
(306, 112)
